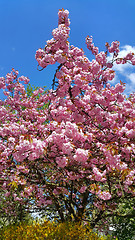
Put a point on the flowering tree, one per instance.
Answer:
(77, 154)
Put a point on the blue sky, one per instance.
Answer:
(26, 25)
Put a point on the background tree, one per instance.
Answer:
(124, 220)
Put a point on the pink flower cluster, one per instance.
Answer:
(91, 46)
(56, 48)
(81, 155)
(114, 48)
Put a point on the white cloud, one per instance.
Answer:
(129, 89)
(115, 80)
(125, 72)
(131, 76)
(123, 52)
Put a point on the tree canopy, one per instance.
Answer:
(72, 148)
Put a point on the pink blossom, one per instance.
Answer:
(81, 155)
(62, 161)
(2, 83)
(82, 189)
(7, 194)
(25, 79)
(67, 148)
(104, 195)
(95, 67)
(114, 47)
(130, 133)
(129, 56)
(101, 58)
(63, 17)
(91, 46)
(108, 75)
(98, 175)
(133, 61)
